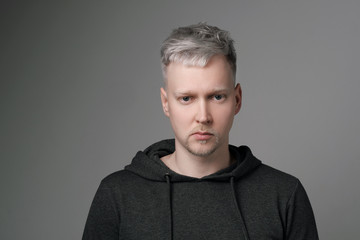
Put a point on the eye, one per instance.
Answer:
(218, 97)
(185, 99)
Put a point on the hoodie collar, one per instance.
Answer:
(147, 164)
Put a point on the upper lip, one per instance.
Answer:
(203, 133)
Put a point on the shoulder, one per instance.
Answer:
(272, 174)
(119, 179)
(272, 180)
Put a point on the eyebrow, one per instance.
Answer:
(190, 92)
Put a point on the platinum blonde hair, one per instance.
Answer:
(194, 45)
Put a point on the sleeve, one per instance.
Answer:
(300, 217)
(103, 220)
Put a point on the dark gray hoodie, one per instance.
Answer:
(247, 200)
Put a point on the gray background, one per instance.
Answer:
(79, 95)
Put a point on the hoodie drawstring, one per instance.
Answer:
(168, 181)
(244, 229)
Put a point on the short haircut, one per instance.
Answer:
(194, 45)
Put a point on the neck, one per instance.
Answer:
(185, 163)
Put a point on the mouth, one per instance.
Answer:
(202, 136)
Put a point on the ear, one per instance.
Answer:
(238, 98)
(164, 101)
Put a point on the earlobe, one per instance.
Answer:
(164, 101)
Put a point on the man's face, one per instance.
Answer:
(201, 103)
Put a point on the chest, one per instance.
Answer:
(202, 210)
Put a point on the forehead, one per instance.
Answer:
(216, 74)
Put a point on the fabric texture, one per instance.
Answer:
(247, 200)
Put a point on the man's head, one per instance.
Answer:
(200, 98)
(194, 45)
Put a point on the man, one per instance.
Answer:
(197, 186)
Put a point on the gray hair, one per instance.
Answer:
(194, 45)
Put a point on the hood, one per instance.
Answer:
(147, 164)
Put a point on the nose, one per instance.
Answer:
(203, 115)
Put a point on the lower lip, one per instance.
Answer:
(202, 137)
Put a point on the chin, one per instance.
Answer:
(202, 148)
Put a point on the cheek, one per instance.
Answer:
(179, 116)
(224, 117)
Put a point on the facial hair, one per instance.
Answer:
(207, 147)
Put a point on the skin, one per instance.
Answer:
(201, 103)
